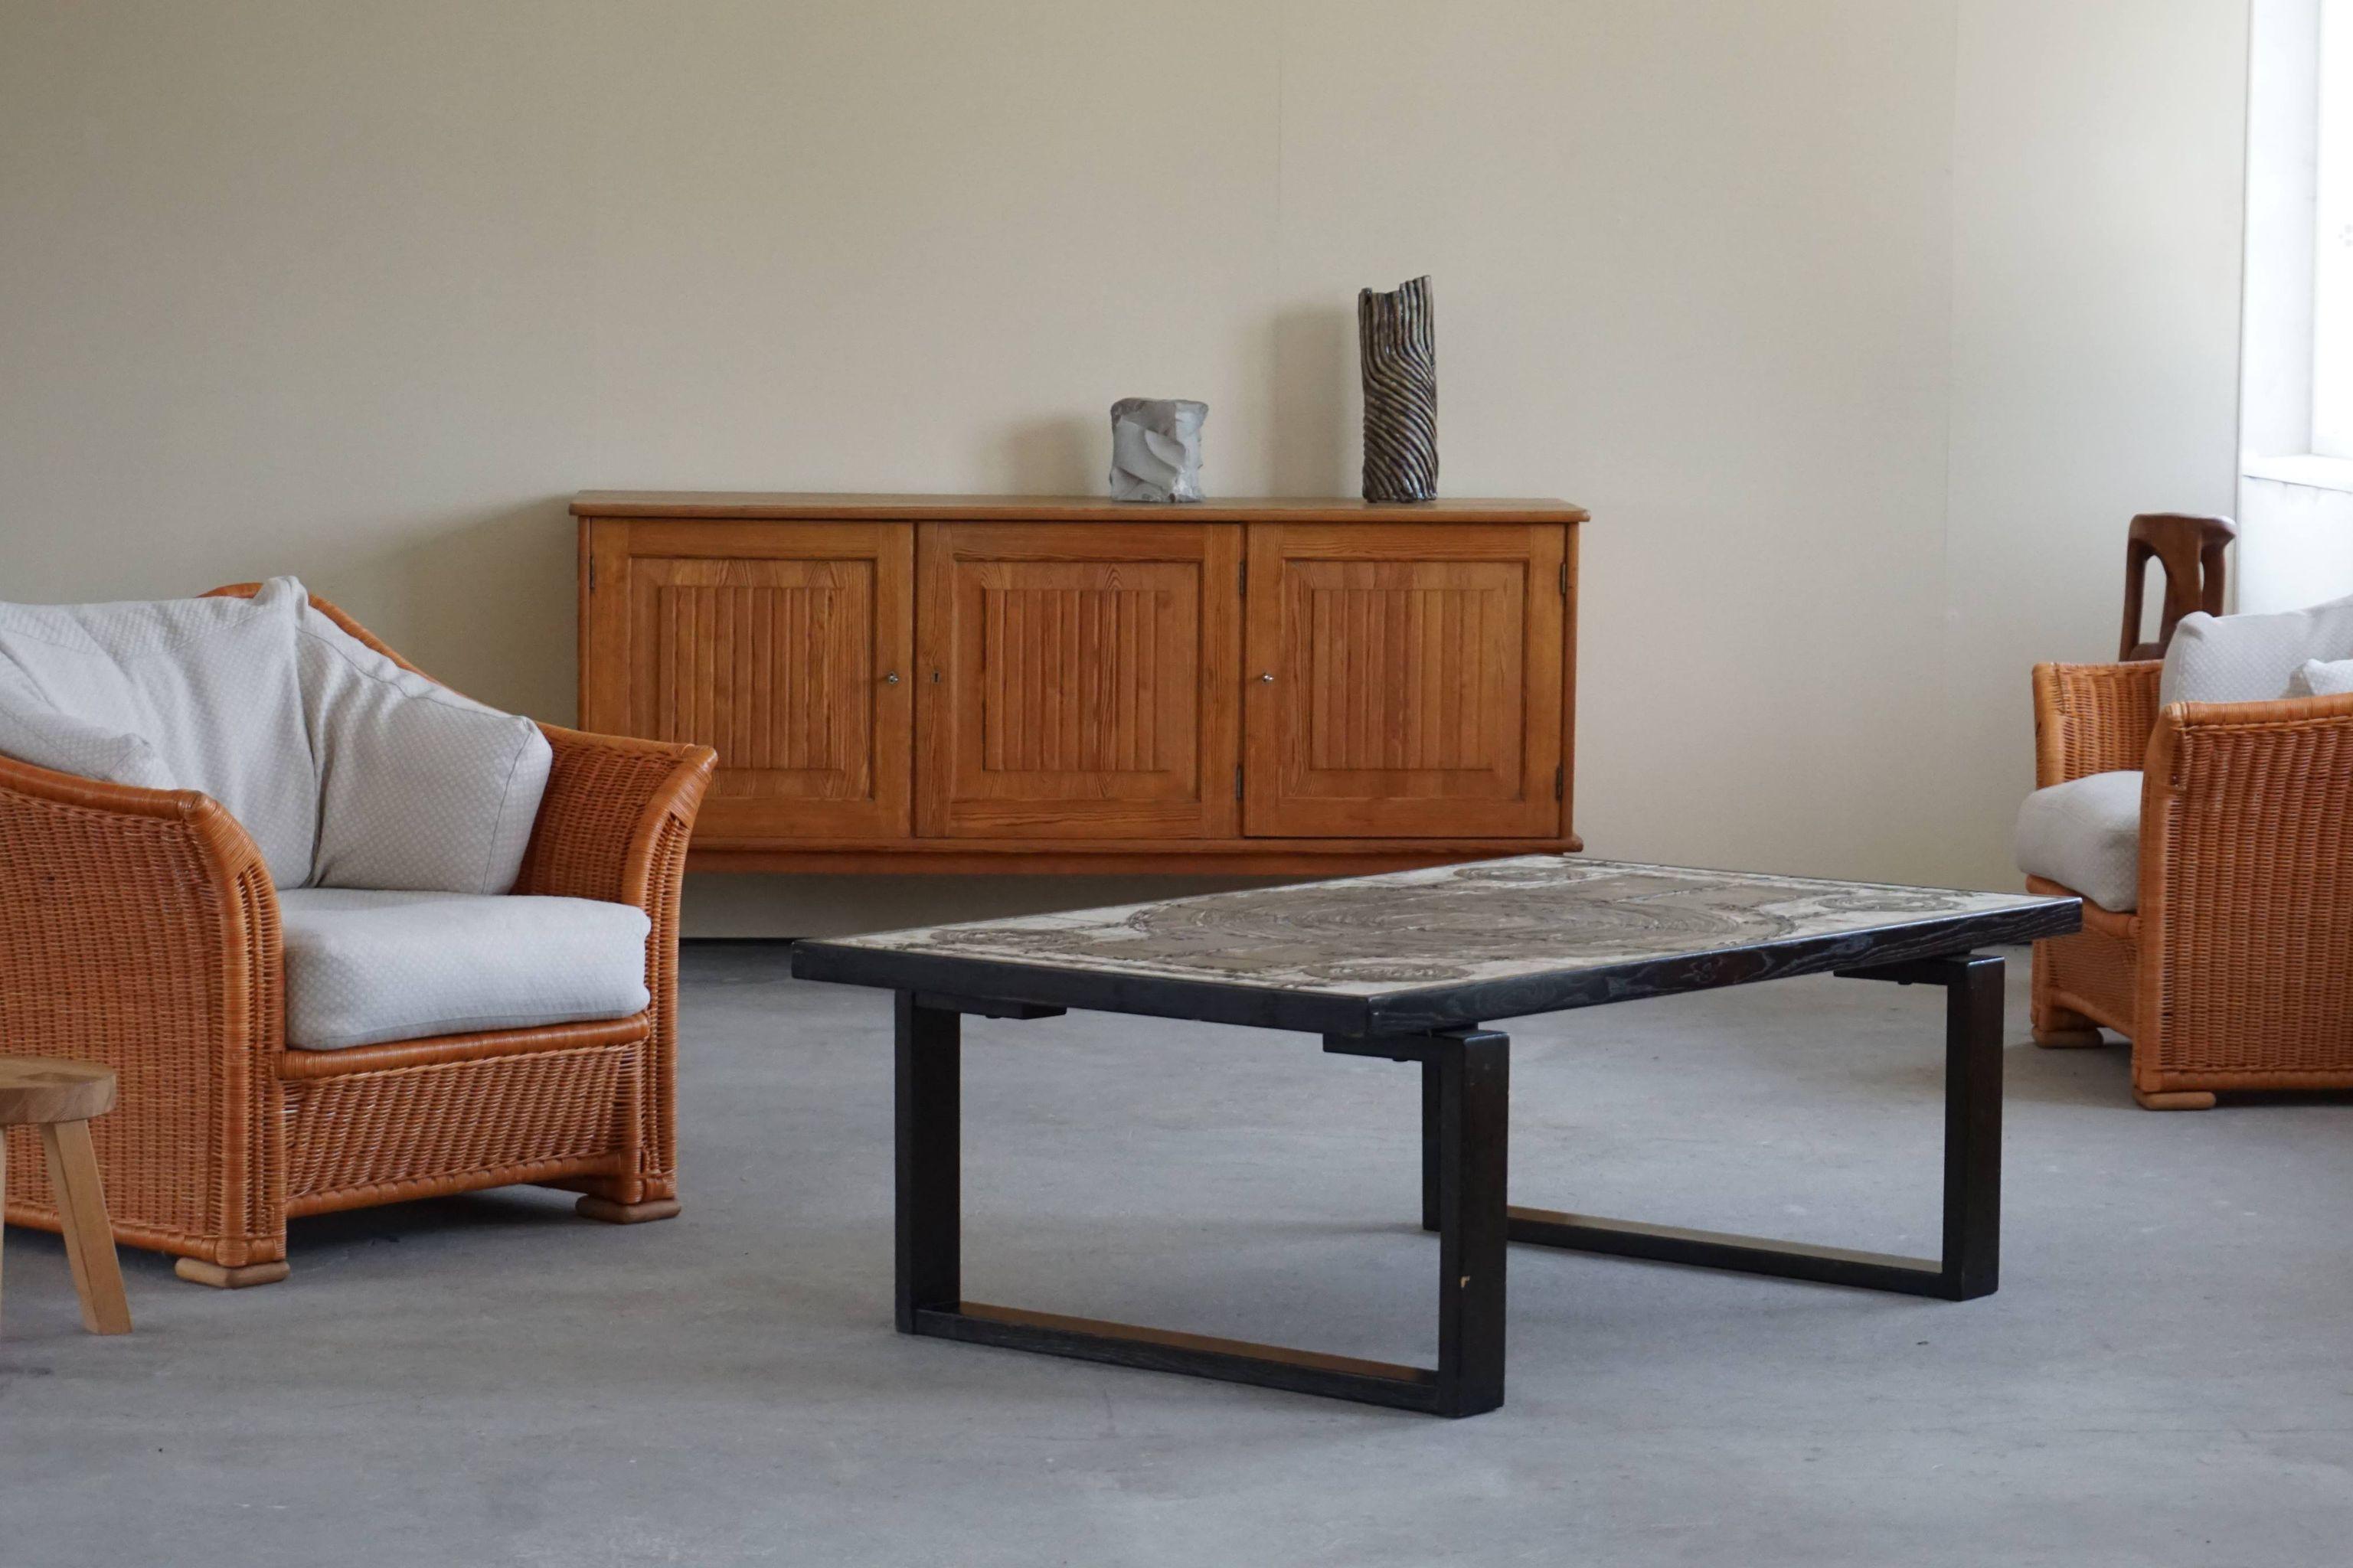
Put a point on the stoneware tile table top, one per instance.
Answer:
(1469, 943)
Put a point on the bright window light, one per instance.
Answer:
(2332, 274)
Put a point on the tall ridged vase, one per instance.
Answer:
(1400, 360)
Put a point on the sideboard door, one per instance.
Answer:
(785, 647)
(1078, 682)
(1404, 680)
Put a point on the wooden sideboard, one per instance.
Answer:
(1020, 684)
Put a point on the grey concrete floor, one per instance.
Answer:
(2165, 1378)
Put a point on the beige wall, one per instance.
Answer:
(2098, 205)
(1860, 324)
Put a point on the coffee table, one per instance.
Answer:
(1412, 966)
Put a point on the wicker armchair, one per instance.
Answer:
(2236, 972)
(139, 929)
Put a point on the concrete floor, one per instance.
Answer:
(2167, 1377)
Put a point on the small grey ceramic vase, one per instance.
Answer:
(1156, 449)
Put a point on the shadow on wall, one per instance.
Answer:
(1314, 367)
(1066, 455)
(484, 601)
(1312, 438)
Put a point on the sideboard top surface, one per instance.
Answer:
(781, 506)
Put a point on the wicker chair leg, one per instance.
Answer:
(196, 1270)
(2174, 1099)
(2058, 1028)
(591, 1206)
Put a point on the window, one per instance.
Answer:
(2296, 407)
(2332, 260)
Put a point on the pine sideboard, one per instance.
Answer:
(1040, 684)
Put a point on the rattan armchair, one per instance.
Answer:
(139, 929)
(2236, 972)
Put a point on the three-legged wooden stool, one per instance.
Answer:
(59, 1098)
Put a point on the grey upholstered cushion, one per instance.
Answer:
(2314, 678)
(364, 965)
(2249, 659)
(418, 787)
(171, 694)
(2084, 835)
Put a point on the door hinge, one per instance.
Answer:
(1238, 781)
(592, 574)
(1560, 782)
(1564, 579)
(1242, 577)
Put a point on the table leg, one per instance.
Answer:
(88, 1237)
(1430, 1144)
(930, 1159)
(1972, 1259)
(1470, 1070)
(1473, 1075)
(1969, 1266)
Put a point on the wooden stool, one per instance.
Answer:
(59, 1098)
(2191, 551)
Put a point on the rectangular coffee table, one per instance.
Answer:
(1411, 967)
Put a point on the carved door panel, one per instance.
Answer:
(789, 655)
(1404, 680)
(1078, 682)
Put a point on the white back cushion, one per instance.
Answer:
(347, 769)
(2248, 659)
(31, 731)
(2318, 680)
(419, 788)
(171, 694)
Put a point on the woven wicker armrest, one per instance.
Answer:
(2091, 718)
(2252, 796)
(2246, 888)
(616, 816)
(138, 930)
(614, 824)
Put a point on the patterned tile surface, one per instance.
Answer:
(1490, 920)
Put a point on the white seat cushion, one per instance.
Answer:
(2084, 835)
(418, 787)
(172, 694)
(2249, 659)
(364, 965)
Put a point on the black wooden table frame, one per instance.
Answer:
(1465, 1080)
